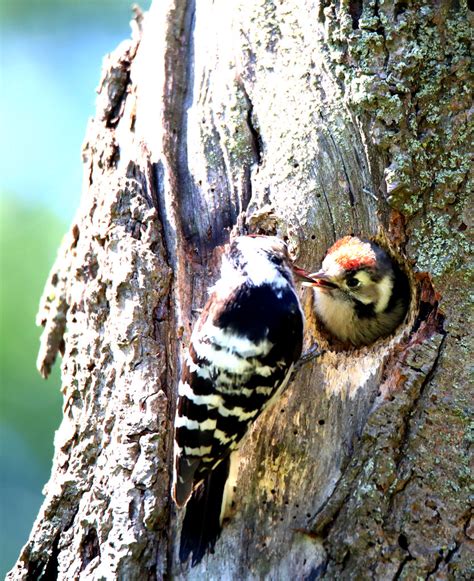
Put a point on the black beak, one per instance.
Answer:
(320, 279)
(302, 275)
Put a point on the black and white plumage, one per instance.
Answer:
(242, 351)
(360, 294)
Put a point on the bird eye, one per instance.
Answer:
(278, 260)
(353, 282)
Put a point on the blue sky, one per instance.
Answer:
(49, 70)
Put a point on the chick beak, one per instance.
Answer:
(319, 279)
(302, 275)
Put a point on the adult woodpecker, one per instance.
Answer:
(360, 294)
(241, 354)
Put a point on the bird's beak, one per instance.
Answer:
(319, 279)
(302, 275)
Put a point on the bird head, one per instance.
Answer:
(360, 294)
(356, 271)
(265, 259)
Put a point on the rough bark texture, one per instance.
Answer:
(310, 121)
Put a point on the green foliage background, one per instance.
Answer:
(30, 408)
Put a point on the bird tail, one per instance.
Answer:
(202, 522)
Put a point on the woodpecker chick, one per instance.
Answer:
(242, 351)
(360, 294)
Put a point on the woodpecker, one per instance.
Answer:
(360, 293)
(241, 354)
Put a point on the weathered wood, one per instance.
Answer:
(309, 121)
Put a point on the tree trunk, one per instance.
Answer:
(309, 121)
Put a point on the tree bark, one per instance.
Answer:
(310, 121)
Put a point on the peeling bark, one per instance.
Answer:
(309, 121)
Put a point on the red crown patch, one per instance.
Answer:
(351, 253)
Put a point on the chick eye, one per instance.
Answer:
(353, 282)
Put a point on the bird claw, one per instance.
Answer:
(313, 352)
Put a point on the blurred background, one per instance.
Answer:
(50, 61)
